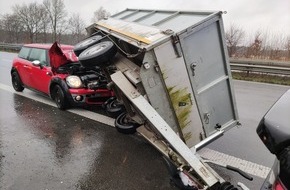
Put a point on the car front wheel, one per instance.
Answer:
(16, 82)
(60, 98)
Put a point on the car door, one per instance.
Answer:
(23, 65)
(40, 75)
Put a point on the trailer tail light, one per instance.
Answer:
(278, 185)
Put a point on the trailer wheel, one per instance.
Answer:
(98, 54)
(113, 107)
(284, 158)
(125, 125)
(81, 46)
(175, 179)
(227, 186)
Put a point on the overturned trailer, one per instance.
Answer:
(173, 78)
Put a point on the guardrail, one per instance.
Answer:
(10, 47)
(245, 65)
(260, 66)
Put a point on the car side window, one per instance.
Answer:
(24, 52)
(40, 55)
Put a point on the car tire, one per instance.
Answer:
(59, 98)
(81, 46)
(284, 159)
(123, 125)
(113, 107)
(98, 54)
(16, 82)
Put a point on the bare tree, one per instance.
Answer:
(100, 14)
(30, 16)
(13, 28)
(234, 37)
(2, 31)
(287, 46)
(277, 45)
(57, 14)
(45, 21)
(76, 27)
(255, 48)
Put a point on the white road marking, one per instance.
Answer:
(206, 153)
(246, 166)
(6, 60)
(85, 113)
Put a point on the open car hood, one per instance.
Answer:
(60, 56)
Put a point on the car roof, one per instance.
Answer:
(48, 46)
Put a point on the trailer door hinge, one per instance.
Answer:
(206, 118)
(176, 45)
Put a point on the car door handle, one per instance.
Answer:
(49, 73)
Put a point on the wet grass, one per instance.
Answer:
(265, 78)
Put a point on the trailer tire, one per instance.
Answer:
(123, 125)
(99, 54)
(227, 186)
(81, 46)
(284, 159)
(113, 107)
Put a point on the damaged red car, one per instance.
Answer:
(54, 70)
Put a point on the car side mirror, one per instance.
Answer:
(37, 63)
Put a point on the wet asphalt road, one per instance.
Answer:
(45, 148)
(42, 147)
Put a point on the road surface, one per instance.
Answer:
(45, 148)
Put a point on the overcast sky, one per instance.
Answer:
(271, 16)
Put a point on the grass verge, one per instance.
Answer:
(266, 78)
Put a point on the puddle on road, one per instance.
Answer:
(45, 148)
(39, 146)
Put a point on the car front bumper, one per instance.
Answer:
(90, 97)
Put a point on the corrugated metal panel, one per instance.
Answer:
(173, 20)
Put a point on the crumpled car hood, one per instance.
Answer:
(59, 56)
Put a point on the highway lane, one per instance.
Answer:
(42, 147)
(5, 66)
(253, 100)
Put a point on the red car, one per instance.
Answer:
(54, 70)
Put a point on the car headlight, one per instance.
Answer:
(74, 81)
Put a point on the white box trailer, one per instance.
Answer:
(173, 76)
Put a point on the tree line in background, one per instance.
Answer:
(44, 22)
(49, 21)
(261, 45)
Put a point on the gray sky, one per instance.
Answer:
(267, 16)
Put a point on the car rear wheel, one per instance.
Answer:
(80, 47)
(98, 55)
(125, 125)
(60, 98)
(16, 82)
